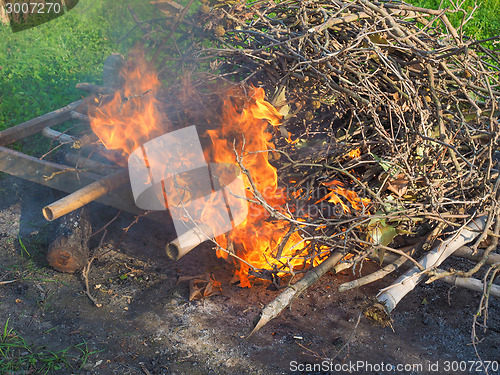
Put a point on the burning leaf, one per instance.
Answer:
(338, 190)
(356, 153)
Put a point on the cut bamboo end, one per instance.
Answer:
(48, 214)
(186, 242)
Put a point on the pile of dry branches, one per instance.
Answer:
(388, 99)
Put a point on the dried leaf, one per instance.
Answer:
(398, 185)
(201, 286)
(378, 39)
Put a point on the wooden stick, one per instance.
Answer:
(86, 195)
(37, 124)
(470, 283)
(467, 253)
(96, 89)
(390, 297)
(57, 136)
(274, 308)
(188, 241)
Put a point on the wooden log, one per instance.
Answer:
(274, 308)
(467, 253)
(188, 241)
(96, 89)
(85, 195)
(57, 136)
(37, 124)
(69, 252)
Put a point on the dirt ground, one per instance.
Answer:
(146, 324)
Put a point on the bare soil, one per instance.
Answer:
(146, 324)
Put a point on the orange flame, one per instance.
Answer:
(244, 132)
(133, 117)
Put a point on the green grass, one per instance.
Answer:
(18, 356)
(485, 22)
(39, 67)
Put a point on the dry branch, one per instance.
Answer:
(86, 163)
(96, 89)
(274, 308)
(471, 283)
(390, 296)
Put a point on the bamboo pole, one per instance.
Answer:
(188, 241)
(85, 195)
(390, 296)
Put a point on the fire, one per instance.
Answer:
(133, 117)
(356, 153)
(338, 190)
(257, 240)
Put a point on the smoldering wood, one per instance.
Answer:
(37, 124)
(85, 195)
(69, 252)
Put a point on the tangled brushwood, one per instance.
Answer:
(390, 127)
